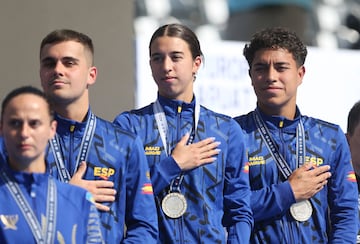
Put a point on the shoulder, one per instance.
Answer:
(319, 124)
(111, 129)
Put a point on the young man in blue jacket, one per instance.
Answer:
(303, 184)
(116, 170)
(196, 156)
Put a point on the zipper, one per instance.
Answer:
(179, 221)
(71, 150)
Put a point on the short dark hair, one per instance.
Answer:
(25, 90)
(353, 118)
(62, 35)
(276, 38)
(181, 31)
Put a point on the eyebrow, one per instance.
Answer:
(172, 53)
(49, 58)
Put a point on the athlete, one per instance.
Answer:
(116, 171)
(196, 157)
(303, 184)
(353, 138)
(35, 207)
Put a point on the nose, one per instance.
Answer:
(167, 64)
(59, 68)
(272, 74)
(25, 130)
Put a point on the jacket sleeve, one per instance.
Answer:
(343, 195)
(141, 215)
(269, 202)
(237, 210)
(162, 172)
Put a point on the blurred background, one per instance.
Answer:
(326, 23)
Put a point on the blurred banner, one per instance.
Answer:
(330, 87)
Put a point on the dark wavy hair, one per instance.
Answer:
(276, 38)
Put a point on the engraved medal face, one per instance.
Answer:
(174, 205)
(301, 211)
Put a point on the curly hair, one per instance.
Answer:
(276, 38)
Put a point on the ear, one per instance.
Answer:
(301, 73)
(92, 75)
(196, 64)
(53, 126)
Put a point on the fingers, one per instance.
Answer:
(184, 139)
(80, 171)
(102, 207)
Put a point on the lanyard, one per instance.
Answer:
(270, 143)
(84, 149)
(51, 209)
(163, 129)
(163, 126)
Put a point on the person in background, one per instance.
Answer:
(247, 16)
(302, 181)
(91, 152)
(196, 156)
(353, 138)
(33, 205)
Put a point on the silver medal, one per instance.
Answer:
(301, 211)
(174, 205)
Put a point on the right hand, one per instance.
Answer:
(195, 154)
(102, 190)
(306, 181)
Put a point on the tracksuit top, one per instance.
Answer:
(115, 155)
(216, 193)
(76, 217)
(272, 195)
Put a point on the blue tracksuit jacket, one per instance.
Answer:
(272, 196)
(217, 192)
(76, 216)
(118, 156)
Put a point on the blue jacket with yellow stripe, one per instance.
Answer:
(115, 155)
(217, 194)
(334, 217)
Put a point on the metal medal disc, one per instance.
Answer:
(301, 211)
(174, 205)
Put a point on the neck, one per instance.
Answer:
(182, 97)
(287, 112)
(73, 112)
(37, 166)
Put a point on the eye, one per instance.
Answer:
(48, 63)
(176, 58)
(156, 58)
(69, 62)
(15, 123)
(34, 123)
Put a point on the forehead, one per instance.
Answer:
(63, 49)
(26, 104)
(273, 55)
(169, 44)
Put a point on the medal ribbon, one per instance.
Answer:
(163, 129)
(51, 209)
(270, 143)
(84, 149)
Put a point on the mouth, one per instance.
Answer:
(57, 82)
(168, 78)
